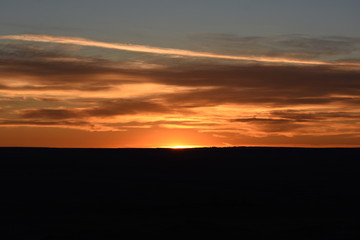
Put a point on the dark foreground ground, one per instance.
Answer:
(252, 193)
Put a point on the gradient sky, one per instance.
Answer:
(162, 73)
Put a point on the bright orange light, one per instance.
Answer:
(182, 146)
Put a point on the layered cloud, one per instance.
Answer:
(231, 101)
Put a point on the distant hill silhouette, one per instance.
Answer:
(253, 193)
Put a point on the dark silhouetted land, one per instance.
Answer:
(253, 193)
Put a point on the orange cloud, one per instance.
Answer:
(232, 104)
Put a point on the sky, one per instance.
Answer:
(166, 73)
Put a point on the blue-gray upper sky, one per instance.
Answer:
(172, 22)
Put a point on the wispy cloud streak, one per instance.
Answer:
(163, 51)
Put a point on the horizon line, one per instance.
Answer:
(185, 148)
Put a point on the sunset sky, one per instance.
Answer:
(165, 73)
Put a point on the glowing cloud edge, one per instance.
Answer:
(163, 51)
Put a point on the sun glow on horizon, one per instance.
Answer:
(182, 146)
